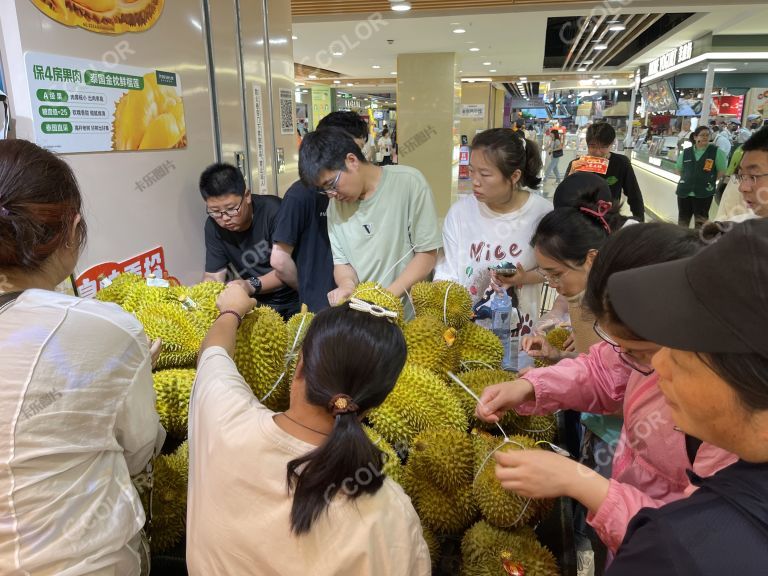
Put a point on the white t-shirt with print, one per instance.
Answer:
(475, 237)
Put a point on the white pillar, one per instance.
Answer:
(706, 97)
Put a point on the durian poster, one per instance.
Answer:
(103, 16)
(79, 106)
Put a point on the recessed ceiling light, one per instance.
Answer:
(486, 63)
(295, 37)
(305, 91)
(523, 78)
(393, 73)
(338, 53)
(350, 84)
(587, 62)
(337, 81)
(582, 69)
(375, 66)
(474, 49)
(596, 76)
(492, 70)
(459, 30)
(401, 6)
(312, 77)
(616, 28)
(722, 70)
(600, 47)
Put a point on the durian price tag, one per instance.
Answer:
(84, 106)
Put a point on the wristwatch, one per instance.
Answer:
(255, 284)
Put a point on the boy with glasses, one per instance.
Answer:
(238, 238)
(382, 223)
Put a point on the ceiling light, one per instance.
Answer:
(492, 70)
(596, 76)
(722, 70)
(474, 49)
(393, 73)
(459, 31)
(400, 6)
(305, 91)
(582, 69)
(337, 81)
(350, 84)
(624, 92)
(617, 28)
(486, 63)
(600, 47)
(338, 53)
(587, 62)
(295, 37)
(523, 78)
(375, 66)
(312, 77)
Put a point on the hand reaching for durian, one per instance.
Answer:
(497, 400)
(339, 295)
(539, 347)
(543, 474)
(235, 298)
(155, 348)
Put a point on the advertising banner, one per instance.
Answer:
(104, 16)
(150, 262)
(78, 107)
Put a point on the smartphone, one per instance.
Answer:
(505, 269)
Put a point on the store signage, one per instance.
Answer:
(261, 147)
(79, 106)
(727, 106)
(670, 59)
(150, 262)
(475, 111)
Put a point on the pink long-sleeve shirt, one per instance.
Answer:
(650, 460)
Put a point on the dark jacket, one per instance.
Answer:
(722, 529)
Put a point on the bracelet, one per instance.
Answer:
(235, 314)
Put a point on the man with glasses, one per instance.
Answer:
(238, 238)
(620, 175)
(301, 255)
(382, 222)
(752, 176)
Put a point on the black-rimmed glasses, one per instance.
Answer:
(230, 213)
(626, 357)
(330, 189)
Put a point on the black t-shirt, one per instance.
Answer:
(246, 254)
(303, 224)
(621, 175)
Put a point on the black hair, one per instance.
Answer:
(581, 188)
(510, 151)
(326, 149)
(348, 121)
(633, 247)
(758, 141)
(345, 352)
(221, 179)
(747, 374)
(601, 133)
(556, 134)
(700, 129)
(568, 234)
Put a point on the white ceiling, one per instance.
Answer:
(512, 41)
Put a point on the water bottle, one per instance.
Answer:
(501, 324)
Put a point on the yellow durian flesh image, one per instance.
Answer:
(149, 119)
(105, 16)
(139, 14)
(100, 11)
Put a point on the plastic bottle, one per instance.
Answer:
(501, 324)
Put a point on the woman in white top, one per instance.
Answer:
(385, 148)
(495, 224)
(77, 406)
(299, 492)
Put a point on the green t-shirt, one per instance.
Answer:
(379, 235)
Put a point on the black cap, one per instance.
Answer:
(581, 188)
(713, 302)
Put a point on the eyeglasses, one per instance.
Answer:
(749, 179)
(552, 279)
(625, 356)
(330, 189)
(230, 213)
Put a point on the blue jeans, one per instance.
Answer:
(553, 162)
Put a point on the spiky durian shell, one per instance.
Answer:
(500, 507)
(484, 549)
(434, 546)
(477, 381)
(139, 14)
(444, 300)
(119, 289)
(444, 512)
(180, 335)
(376, 294)
(557, 337)
(420, 400)
(169, 498)
(392, 465)
(537, 427)
(173, 388)
(140, 295)
(432, 344)
(444, 455)
(262, 342)
(479, 348)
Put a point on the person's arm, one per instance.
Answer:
(346, 281)
(418, 269)
(224, 329)
(219, 276)
(447, 265)
(269, 283)
(632, 192)
(721, 163)
(283, 264)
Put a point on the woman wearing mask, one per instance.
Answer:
(651, 458)
(302, 491)
(700, 167)
(77, 406)
(494, 224)
(713, 371)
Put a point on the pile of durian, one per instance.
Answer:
(436, 448)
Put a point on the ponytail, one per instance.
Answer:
(350, 363)
(533, 165)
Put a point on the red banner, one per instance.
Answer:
(150, 262)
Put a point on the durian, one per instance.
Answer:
(180, 335)
(444, 455)
(556, 338)
(431, 344)
(151, 118)
(485, 550)
(375, 294)
(444, 300)
(139, 14)
(477, 381)
(262, 343)
(479, 348)
(500, 507)
(392, 466)
(169, 498)
(444, 512)
(297, 325)
(420, 400)
(173, 388)
(119, 289)
(434, 546)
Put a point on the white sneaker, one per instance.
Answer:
(585, 563)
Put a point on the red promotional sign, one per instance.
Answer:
(150, 262)
(727, 106)
(591, 164)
